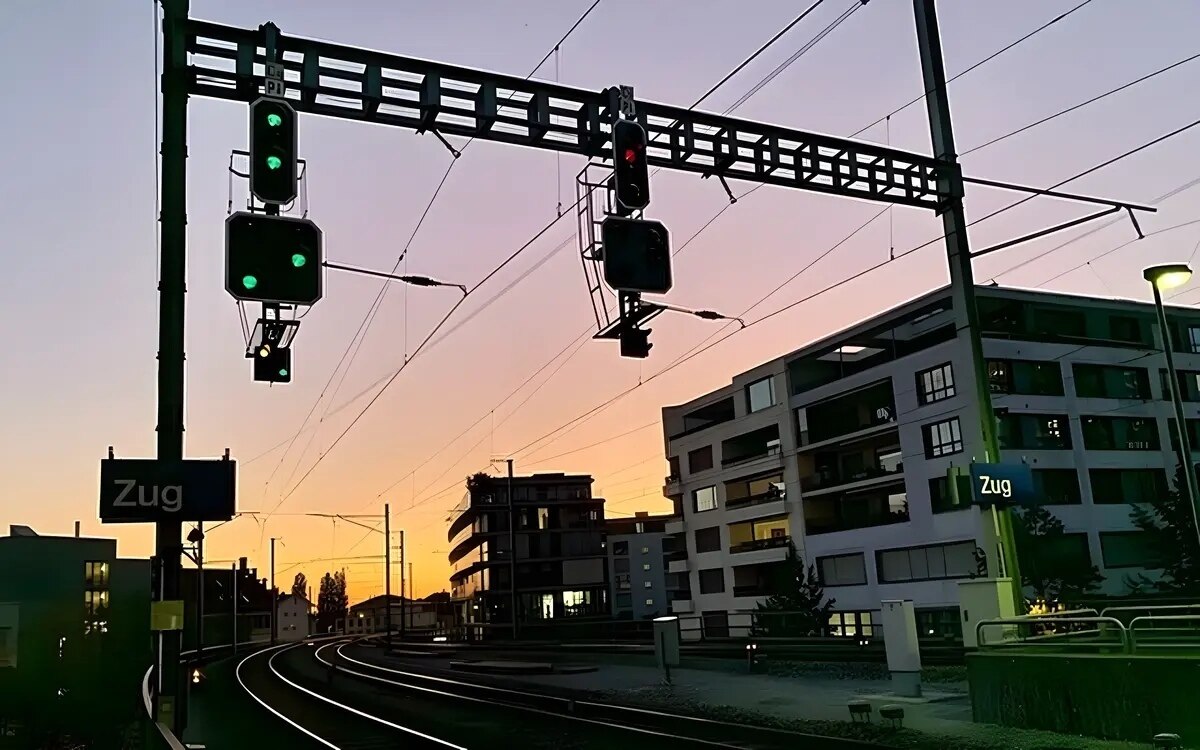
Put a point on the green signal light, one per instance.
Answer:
(249, 282)
(274, 120)
(274, 162)
(283, 372)
(298, 260)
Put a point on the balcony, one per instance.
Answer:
(758, 544)
(678, 565)
(870, 408)
(865, 477)
(854, 510)
(755, 590)
(772, 495)
(705, 417)
(671, 485)
(750, 446)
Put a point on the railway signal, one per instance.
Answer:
(637, 255)
(272, 365)
(630, 170)
(273, 144)
(274, 259)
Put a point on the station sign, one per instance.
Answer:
(140, 490)
(1002, 485)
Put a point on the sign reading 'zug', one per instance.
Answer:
(139, 490)
(1002, 485)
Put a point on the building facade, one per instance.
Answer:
(638, 552)
(295, 617)
(74, 638)
(420, 616)
(560, 561)
(843, 448)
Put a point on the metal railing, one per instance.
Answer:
(1056, 630)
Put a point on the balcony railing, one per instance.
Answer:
(760, 544)
(769, 496)
(753, 589)
(882, 415)
(735, 460)
(836, 478)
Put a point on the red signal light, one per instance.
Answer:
(630, 155)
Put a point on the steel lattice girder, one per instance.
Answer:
(356, 84)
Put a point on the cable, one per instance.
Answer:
(989, 58)
(844, 281)
(1094, 99)
(796, 56)
(417, 351)
(364, 327)
(1165, 196)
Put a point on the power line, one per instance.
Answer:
(989, 58)
(1072, 108)
(364, 327)
(847, 280)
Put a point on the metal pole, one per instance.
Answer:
(1184, 444)
(200, 590)
(235, 597)
(962, 279)
(387, 575)
(512, 546)
(410, 581)
(403, 605)
(274, 597)
(171, 292)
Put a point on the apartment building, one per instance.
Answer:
(639, 550)
(561, 569)
(843, 449)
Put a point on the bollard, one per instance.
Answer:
(751, 653)
(1168, 741)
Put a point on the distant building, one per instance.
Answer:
(370, 615)
(294, 614)
(253, 605)
(638, 551)
(561, 569)
(74, 637)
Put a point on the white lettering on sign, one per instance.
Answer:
(169, 498)
(989, 486)
(274, 88)
(274, 70)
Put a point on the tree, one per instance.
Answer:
(796, 591)
(1049, 560)
(332, 600)
(1170, 530)
(300, 586)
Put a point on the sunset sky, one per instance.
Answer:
(77, 205)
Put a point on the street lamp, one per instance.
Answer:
(1162, 277)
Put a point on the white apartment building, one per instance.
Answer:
(843, 448)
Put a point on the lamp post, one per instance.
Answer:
(1168, 277)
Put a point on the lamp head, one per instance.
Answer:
(1168, 276)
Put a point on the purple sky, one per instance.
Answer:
(77, 206)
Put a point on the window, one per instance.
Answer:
(1189, 385)
(620, 548)
(708, 540)
(1104, 381)
(624, 601)
(933, 562)
(943, 498)
(700, 459)
(1121, 486)
(623, 582)
(1129, 549)
(760, 394)
(543, 516)
(851, 624)
(95, 601)
(842, 570)
(943, 622)
(673, 467)
(1119, 433)
(645, 550)
(942, 438)
(704, 499)
(647, 584)
(645, 566)
(1033, 431)
(935, 384)
(649, 602)
(95, 574)
(1059, 321)
(1025, 377)
(8, 647)
(1194, 339)
(712, 581)
(1124, 328)
(1057, 486)
(621, 565)
(1066, 552)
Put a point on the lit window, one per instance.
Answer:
(645, 566)
(645, 550)
(95, 574)
(942, 438)
(649, 602)
(647, 584)
(705, 498)
(935, 384)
